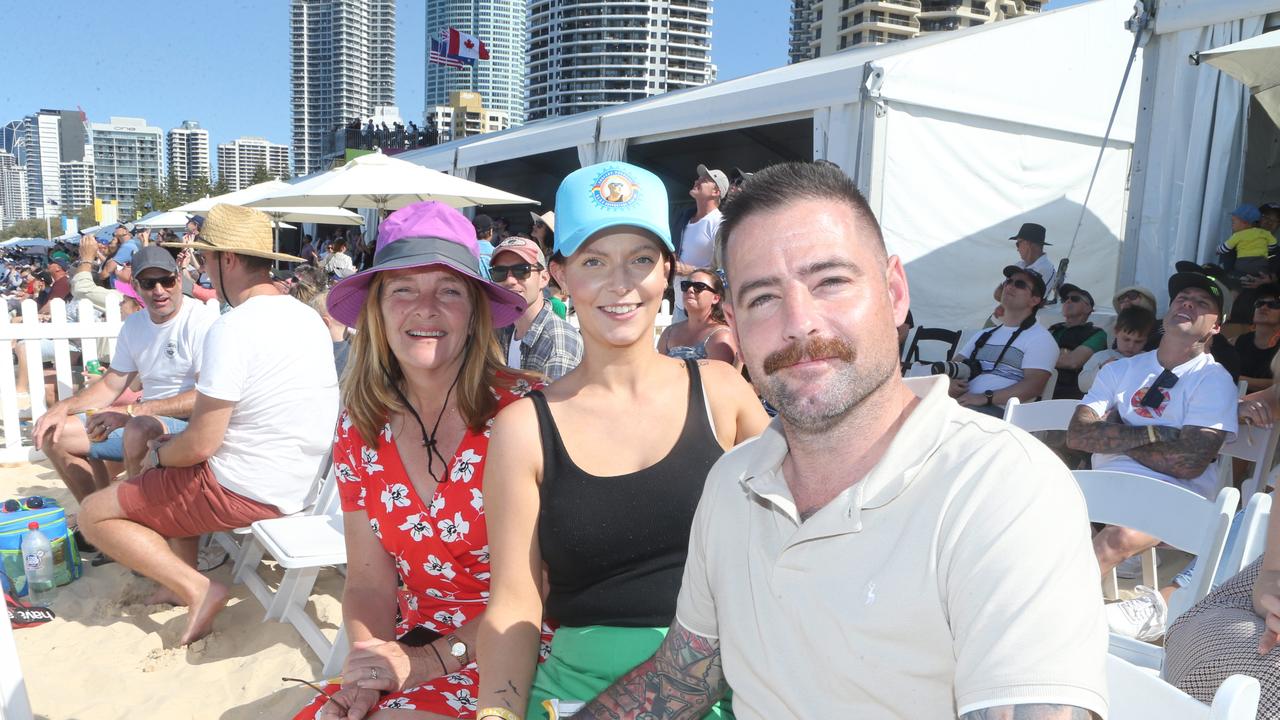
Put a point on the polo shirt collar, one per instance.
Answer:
(908, 452)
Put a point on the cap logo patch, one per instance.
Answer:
(614, 189)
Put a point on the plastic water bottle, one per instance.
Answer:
(37, 559)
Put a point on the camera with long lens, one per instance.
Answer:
(958, 369)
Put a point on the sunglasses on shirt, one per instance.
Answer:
(697, 287)
(1157, 394)
(498, 273)
(166, 282)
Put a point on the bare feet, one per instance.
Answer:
(163, 596)
(200, 617)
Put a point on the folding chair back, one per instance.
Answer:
(1251, 539)
(1138, 694)
(14, 702)
(1049, 387)
(911, 348)
(1040, 416)
(1253, 444)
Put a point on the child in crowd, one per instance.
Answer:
(1134, 325)
(1251, 243)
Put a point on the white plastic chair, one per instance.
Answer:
(1049, 387)
(1253, 444)
(14, 703)
(1179, 517)
(1251, 540)
(1138, 694)
(1040, 416)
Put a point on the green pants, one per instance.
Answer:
(584, 661)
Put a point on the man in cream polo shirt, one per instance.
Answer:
(880, 551)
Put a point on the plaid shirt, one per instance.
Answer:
(552, 346)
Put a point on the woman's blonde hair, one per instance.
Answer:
(372, 377)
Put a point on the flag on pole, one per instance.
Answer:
(439, 53)
(466, 47)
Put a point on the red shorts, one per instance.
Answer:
(180, 502)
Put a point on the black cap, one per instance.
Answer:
(1037, 281)
(1031, 232)
(737, 175)
(1180, 281)
(1068, 288)
(483, 223)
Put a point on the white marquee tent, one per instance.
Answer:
(957, 138)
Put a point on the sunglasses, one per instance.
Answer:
(697, 287)
(34, 502)
(1018, 283)
(498, 273)
(1156, 393)
(1129, 296)
(1074, 298)
(150, 284)
(539, 223)
(1269, 304)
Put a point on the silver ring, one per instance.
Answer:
(373, 673)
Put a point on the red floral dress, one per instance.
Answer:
(440, 547)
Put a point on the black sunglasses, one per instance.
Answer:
(498, 273)
(1075, 298)
(1018, 283)
(1156, 393)
(150, 283)
(35, 502)
(699, 287)
(1270, 304)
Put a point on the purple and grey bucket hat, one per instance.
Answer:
(425, 234)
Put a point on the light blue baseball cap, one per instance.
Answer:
(605, 195)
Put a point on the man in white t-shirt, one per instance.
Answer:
(1165, 413)
(697, 242)
(161, 348)
(1017, 356)
(262, 425)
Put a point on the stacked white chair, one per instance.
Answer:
(1138, 694)
(1179, 517)
(1253, 444)
(1251, 539)
(1040, 416)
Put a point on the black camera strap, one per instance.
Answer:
(984, 337)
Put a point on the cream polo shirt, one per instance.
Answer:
(957, 575)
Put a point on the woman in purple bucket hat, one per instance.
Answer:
(420, 391)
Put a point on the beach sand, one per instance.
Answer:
(109, 656)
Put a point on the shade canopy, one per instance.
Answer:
(327, 214)
(169, 219)
(385, 183)
(1254, 62)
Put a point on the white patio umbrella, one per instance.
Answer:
(385, 183)
(330, 214)
(169, 219)
(1254, 62)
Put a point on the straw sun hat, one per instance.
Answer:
(239, 230)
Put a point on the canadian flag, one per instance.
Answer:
(466, 46)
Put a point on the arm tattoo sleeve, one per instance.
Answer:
(680, 682)
(1184, 458)
(1089, 433)
(1030, 712)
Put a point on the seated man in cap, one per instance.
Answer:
(262, 425)
(1016, 357)
(161, 348)
(539, 341)
(1164, 414)
(1077, 340)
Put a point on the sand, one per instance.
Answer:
(109, 656)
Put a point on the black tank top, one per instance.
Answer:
(615, 546)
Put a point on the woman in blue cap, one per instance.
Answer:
(593, 482)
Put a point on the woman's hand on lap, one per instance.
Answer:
(359, 703)
(378, 665)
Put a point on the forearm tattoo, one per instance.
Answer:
(1185, 458)
(681, 681)
(1090, 433)
(1030, 712)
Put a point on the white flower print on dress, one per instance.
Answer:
(459, 679)
(436, 566)
(386, 432)
(411, 601)
(345, 473)
(395, 495)
(369, 458)
(482, 576)
(437, 504)
(417, 526)
(462, 701)
(482, 554)
(521, 388)
(345, 423)
(477, 499)
(455, 618)
(464, 466)
(402, 564)
(377, 527)
(455, 529)
(400, 703)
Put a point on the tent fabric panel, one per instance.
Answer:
(950, 224)
(526, 140)
(1174, 16)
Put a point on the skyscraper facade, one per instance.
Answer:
(239, 159)
(188, 147)
(343, 66)
(501, 26)
(585, 54)
(822, 27)
(48, 141)
(13, 190)
(127, 154)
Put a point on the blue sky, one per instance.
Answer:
(225, 63)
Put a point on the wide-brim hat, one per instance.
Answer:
(1032, 233)
(607, 195)
(238, 230)
(548, 218)
(422, 235)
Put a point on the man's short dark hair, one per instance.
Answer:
(779, 185)
(1136, 319)
(255, 263)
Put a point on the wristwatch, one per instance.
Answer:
(154, 456)
(990, 397)
(457, 649)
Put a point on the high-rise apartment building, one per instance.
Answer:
(188, 153)
(464, 116)
(343, 66)
(50, 139)
(239, 159)
(500, 25)
(585, 54)
(11, 139)
(823, 27)
(13, 190)
(128, 154)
